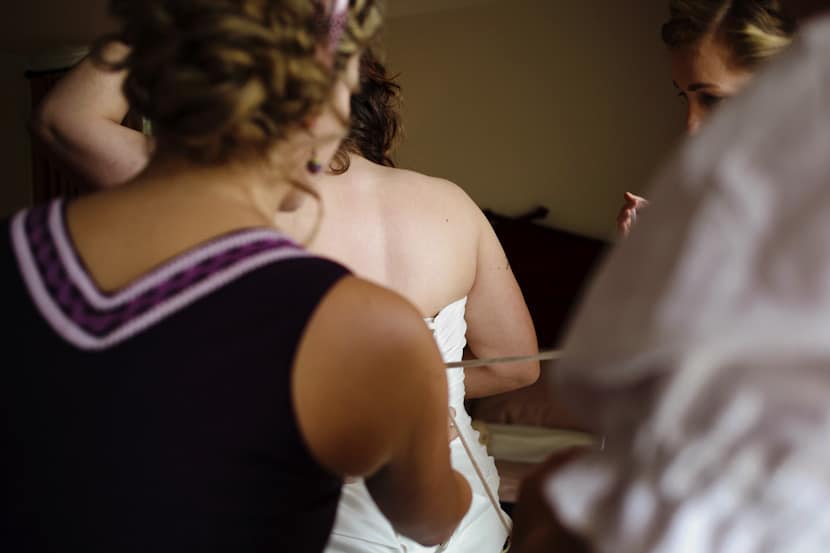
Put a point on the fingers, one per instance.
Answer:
(625, 216)
(624, 221)
(537, 528)
(453, 431)
(628, 213)
(635, 201)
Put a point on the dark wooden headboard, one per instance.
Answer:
(551, 266)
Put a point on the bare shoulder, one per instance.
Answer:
(430, 187)
(434, 199)
(363, 366)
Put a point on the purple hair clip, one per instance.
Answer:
(337, 23)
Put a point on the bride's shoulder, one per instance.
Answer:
(418, 188)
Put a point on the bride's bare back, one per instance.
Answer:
(415, 234)
(424, 238)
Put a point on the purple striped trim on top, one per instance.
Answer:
(82, 314)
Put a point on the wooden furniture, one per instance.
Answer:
(552, 267)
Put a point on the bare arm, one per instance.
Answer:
(80, 120)
(498, 322)
(371, 397)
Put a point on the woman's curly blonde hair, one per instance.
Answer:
(753, 30)
(220, 77)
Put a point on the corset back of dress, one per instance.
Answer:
(361, 528)
(449, 328)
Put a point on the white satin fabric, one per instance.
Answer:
(360, 527)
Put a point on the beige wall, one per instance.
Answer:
(15, 191)
(521, 102)
(536, 102)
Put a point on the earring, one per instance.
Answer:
(314, 166)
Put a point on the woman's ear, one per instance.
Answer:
(351, 75)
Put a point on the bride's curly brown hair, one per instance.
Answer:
(375, 116)
(221, 77)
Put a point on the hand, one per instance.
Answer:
(536, 528)
(453, 431)
(628, 213)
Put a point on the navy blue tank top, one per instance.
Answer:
(160, 417)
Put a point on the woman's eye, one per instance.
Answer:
(710, 100)
(683, 97)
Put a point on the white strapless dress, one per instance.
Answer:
(361, 528)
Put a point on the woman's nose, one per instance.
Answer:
(694, 117)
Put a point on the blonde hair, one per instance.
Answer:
(752, 30)
(221, 77)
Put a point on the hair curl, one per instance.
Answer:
(376, 119)
(752, 30)
(219, 77)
